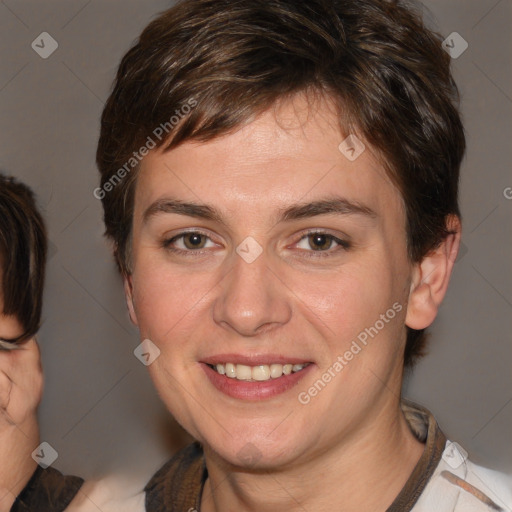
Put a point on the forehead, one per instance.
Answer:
(295, 151)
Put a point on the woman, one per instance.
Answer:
(22, 270)
(279, 179)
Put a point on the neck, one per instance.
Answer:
(365, 472)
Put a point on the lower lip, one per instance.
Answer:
(260, 390)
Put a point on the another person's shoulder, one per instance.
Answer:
(48, 490)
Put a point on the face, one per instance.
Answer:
(260, 250)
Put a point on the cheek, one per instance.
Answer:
(166, 300)
(348, 300)
(10, 327)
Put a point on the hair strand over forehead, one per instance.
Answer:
(23, 250)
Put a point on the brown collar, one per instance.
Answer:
(178, 485)
(424, 426)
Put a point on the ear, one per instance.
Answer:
(130, 302)
(430, 278)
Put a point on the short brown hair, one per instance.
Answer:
(22, 255)
(384, 69)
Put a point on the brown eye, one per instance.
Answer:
(189, 243)
(320, 244)
(320, 241)
(194, 240)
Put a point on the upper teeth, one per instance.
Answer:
(260, 372)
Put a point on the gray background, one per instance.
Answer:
(100, 411)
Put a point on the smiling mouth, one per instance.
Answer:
(258, 373)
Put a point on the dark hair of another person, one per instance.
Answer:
(384, 70)
(22, 255)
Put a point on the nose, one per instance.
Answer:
(252, 299)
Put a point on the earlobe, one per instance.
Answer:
(430, 278)
(130, 301)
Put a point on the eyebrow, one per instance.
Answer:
(328, 206)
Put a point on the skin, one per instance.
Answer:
(21, 387)
(290, 301)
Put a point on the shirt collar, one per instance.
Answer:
(424, 426)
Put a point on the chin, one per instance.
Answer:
(254, 453)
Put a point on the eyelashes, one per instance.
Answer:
(190, 240)
(319, 239)
(311, 244)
